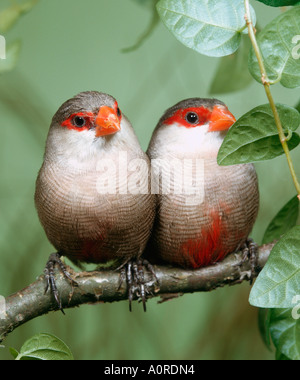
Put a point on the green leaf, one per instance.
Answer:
(281, 357)
(279, 46)
(264, 316)
(232, 73)
(254, 137)
(10, 15)
(285, 220)
(14, 352)
(279, 3)
(285, 333)
(12, 56)
(278, 283)
(211, 27)
(44, 347)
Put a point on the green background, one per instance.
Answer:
(70, 46)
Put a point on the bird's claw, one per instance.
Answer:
(54, 259)
(249, 253)
(134, 274)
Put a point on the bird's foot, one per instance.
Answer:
(133, 271)
(249, 253)
(54, 259)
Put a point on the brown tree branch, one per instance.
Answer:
(99, 287)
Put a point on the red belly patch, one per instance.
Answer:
(209, 248)
(92, 252)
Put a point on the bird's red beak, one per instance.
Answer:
(221, 119)
(107, 122)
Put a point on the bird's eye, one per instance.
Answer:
(118, 112)
(79, 121)
(192, 118)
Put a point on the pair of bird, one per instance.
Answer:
(203, 213)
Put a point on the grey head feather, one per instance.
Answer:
(88, 101)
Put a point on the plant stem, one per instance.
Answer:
(266, 83)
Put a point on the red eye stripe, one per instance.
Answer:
(89, 118)
(180, 117)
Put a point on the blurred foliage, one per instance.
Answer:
(10, 13)
(12, 53)
(284, 220)
(237, 65)
(83, 52)
(151, 27)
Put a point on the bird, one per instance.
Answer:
(204, 211)
(91, 194)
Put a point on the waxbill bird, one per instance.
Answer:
(85, 204)
(205, 211)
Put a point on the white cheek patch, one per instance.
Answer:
(177, 140)
(74, 148)
(82, 149)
